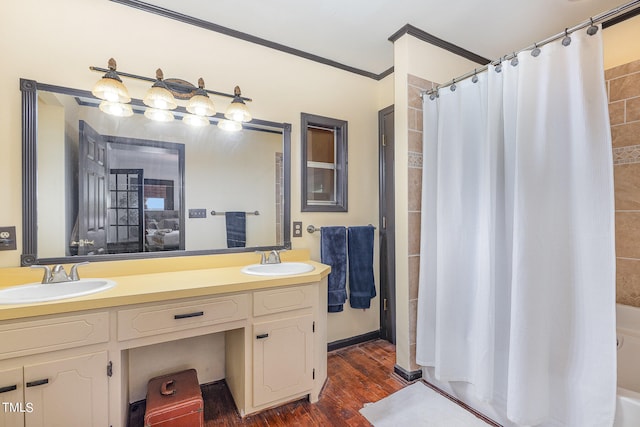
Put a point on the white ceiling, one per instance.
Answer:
(355, 32)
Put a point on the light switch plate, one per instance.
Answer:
(197, 213)
(297, 228)
(8, 238)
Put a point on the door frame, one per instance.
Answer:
(386, 221)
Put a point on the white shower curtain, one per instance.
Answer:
(517, 273)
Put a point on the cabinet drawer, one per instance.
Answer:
(282, 299)
(21, 339)
(159, 319)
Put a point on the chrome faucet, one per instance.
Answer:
(272, 258)
(58, 274)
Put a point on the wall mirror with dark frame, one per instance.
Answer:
(98, 187)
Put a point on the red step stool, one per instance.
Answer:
(174, 400)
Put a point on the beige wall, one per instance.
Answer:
(621, 43)
(416, 65)
(55, 42)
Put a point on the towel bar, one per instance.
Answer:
(222, 213)
(312, 229)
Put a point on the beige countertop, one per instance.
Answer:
(164, 286)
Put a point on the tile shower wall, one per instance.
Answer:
(415, 86)
(623, 86)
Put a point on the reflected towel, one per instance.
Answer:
(333, 252)
(362, 286)
(236, 229)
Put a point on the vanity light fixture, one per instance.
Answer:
(200, 104)
(237, 110)
(195, 120)
(230, 125)
(162, 97)
(158, 115)
(116, 109)
(159, 96)
(110, 87)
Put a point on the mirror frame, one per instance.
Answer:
(29, 256)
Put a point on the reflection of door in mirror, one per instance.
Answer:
(125, 214)
(92, 214)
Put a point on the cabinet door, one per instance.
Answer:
(282, 359)
(12, 409)
(68, 392)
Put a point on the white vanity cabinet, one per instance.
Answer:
(11, 397)
(53, 372)
(74, 369)
(72, 391)
(283, 343)
(282, 359)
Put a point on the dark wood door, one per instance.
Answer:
(387, 226)
(92, 199)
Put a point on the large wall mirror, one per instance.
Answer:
(98, 187)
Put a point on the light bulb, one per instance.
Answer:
(116, 109)
(158, 115)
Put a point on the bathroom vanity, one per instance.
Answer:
(67, 362)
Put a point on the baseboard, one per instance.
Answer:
(369, 336)
(407, 375)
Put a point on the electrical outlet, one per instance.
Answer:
(8, 238)
(197, 213)
(297, 228)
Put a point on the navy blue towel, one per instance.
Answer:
(362, 286)
(333, 252)
(236, 229)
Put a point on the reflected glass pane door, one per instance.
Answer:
(125, 213)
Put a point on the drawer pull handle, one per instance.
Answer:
(261, 336)
(8, 388)
(38, 382)
(185, 316)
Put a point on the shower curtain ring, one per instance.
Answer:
(536, 50)
(566, 41)
(592, 30)
(474, 79)
(514, 60)
(453, 85)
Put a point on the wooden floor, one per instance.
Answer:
(356, 375)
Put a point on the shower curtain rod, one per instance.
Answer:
(591, 21)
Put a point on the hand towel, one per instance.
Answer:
(333, 252)
(236, 229)
(362, 286)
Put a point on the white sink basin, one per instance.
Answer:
(281, 269)
(41, 292)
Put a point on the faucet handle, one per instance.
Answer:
(47, 272)
(263, 259)
(73, 275)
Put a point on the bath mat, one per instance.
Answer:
(418, 405)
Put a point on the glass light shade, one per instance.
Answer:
(201, 105)
(237, 111)
(111, 89)
(160, 98)
(195, 120)
(230, 125)
(158, 115)
(116, 109)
